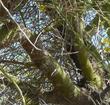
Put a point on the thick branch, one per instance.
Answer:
(71, 27)
(63, 86)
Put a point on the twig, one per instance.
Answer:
(13, 62)
(24, 34)
(16, 85)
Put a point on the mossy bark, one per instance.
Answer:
(89, 73)
(55, 73)
(83, 57)
(64, 88)
(73, 25)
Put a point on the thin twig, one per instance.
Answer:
(16, 62)
(16, 85)
(24, 34)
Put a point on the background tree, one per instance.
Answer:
(47, 54)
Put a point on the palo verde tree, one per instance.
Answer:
(47, 55)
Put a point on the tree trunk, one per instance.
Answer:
(64, 88)
(73, 25)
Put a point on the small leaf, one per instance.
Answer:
(42, 8)
(107, 49)
(106, 41)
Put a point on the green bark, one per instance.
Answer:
(88, 71)
(64, 88)
(86, 67)
(54, 72)
(73, 25)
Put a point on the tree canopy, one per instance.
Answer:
(54, 52)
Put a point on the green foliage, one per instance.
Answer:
(68, 16)
(7, 31)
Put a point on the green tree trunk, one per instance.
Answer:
(73, 25)
(63, 86)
